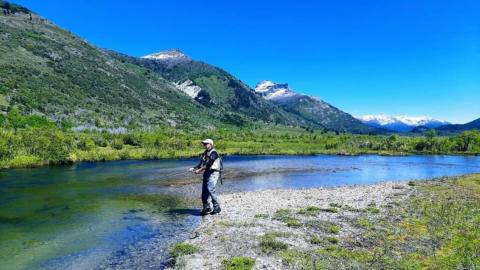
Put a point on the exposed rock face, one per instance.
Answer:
(189, 88)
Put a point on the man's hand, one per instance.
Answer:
(191, 169)
(197, 171)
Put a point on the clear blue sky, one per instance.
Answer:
(407, 57)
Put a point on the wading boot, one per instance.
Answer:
(216, 210)
(205, 211)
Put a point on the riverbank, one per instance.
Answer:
(40, 147)
(421, 224)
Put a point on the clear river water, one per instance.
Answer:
(126, 214)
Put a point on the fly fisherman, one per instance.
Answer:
(210, 165)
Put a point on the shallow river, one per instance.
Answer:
(125, 214)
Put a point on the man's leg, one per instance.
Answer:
(211, 185)
(205, 194)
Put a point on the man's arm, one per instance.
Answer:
(199, 165)
(208, 164)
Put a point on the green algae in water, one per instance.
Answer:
(47, 216)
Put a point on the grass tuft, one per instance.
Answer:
(183, 249)
(309, 211)
(260, 216)
(238, 263)
(270, 244)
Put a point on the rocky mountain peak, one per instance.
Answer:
(169, 55)
(274, 91)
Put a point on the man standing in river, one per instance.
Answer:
(210, 165)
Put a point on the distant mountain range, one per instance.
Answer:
(401, 123)
(455, 128)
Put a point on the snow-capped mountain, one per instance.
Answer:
(274, 91)
(174, 55)
(401, 123)
(311, 109)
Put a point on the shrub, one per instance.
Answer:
(310, 211)
(117, 144)
(269, 242)
(316, 240)
(238, 263)
(183, 249)
(301, 260)
(334, 229)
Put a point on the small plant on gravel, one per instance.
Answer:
(334, 229)
(364, 223)
(351, 208)
(322, 225)
(269, 242)
(285, 216)
(261, 216)
(183, 249)
(296, 259)
(331, 210)
(293, 222)
(373, 210)
(316, 240)
(310, 211)
(332, 239)
(238, 263)
(282, 214)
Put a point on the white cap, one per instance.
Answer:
(210, 141)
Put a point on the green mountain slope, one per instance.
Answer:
(230, 98)
(49, 71)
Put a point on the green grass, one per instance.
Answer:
(285, 216)
(332, 239)
(261, 216)
(322, 225)
(270, 244)
(331, 210)
(436, 228)
(309, 211)
(238, 263)
(364, 223)
(335, 229)
(183, 249)
(297, 259)
(317, 240)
